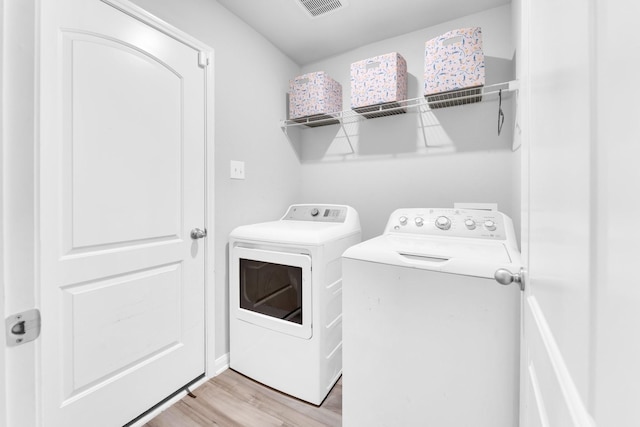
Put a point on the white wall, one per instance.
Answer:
(251, 80)
(465, 160)
(616, 378)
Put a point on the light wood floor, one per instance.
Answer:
(231, 399)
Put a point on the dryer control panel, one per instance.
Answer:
(317, 213)
(467, 223)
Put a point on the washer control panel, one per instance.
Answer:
(448, 222)
(317, 213)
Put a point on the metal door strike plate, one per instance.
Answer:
(22, 327)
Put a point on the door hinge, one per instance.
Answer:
(22, 327)
(203, 59)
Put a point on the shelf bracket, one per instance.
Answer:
(284, 128)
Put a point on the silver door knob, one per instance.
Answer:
(196, 233)
(505, 277)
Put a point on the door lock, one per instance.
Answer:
(22, 327)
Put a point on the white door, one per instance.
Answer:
(121, 186)
(582, 204)
(554, 63)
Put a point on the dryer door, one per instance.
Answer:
(271, 289)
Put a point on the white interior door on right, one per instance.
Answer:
(554, 60)
(122, 184)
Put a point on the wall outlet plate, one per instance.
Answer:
(237, 169)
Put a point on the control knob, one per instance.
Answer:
(419, 221)
(490, 225)
(403, 220)
(315, 212)
(443, 223)
(471, 224)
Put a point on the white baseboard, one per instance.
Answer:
(222, 364)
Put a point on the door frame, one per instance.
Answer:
(27, 410)
(17, 51)
(3, 388)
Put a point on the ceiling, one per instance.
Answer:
(287, 25)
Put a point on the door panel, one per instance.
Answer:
(109, 82)
(119, 322)
(121, 186)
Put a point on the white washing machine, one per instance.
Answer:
(429, 337)
(285, 297)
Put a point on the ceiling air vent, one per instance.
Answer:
(317, 8)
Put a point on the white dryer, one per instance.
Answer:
(429, 337)
(285, 298)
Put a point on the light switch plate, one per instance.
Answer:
(237, 169)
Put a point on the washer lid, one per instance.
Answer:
(470, 257)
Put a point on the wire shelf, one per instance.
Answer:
(421, 104)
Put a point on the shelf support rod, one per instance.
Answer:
(424, 134)
(285, 130)
(344, 130)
